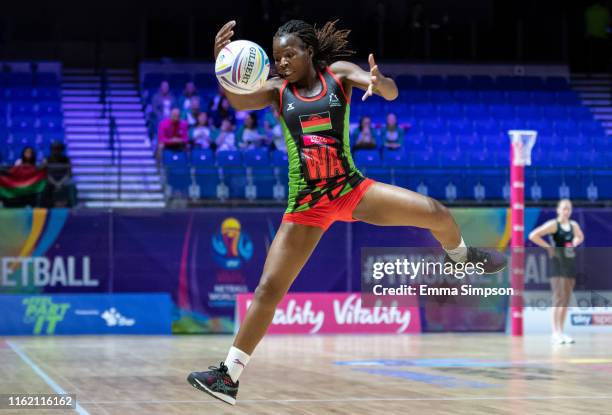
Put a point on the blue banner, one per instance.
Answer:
(85, 314)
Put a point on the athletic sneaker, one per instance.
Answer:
(492, 260)
(567, 339)
(216, 382)
(557, 338)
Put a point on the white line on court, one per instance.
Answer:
(343, 400)
(57, 388)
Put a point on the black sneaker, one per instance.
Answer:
(216, 382)
(492, 260)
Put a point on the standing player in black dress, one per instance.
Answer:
(565, 235)
(313, 94)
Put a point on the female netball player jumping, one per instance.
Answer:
(313, 93)
(565, 235)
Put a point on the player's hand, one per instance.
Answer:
(551, 252)
(375, 78)
(223, 36)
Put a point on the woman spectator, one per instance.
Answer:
(193, 112)
(224, 111)
(274, 130)
(226, 140)
(392, 135)
(24, 183)
(365, 138)
(250, 135)
(202, 132)
(189, 94)
(163, 102)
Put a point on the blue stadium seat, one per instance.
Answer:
(424, 159)
(19, 94)
(178, 174)
(432, 82)
(42, 79)
(519, 98)
(457, 82)
(256, 158)
(492, 97)
(453, 159)
(49, 108)
(591, 128)
(500, 111)
(407, 82)
(486, 127)
(543, 98)
(48, 94)
(22, 79)
(556, 83)
(279, 159)
(531, 83)
(553, 112)
(365, 158)
(443, 142)
(579, 113)
(205, 172)
(229, 159)
(153, 79)
(460, 127)
(178, 80)
(466, 96)
(528, 111)
(482, 82)
(481, 159)
(507, 83)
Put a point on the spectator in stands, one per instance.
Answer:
(224, 111)
(189, 93)
(163, 102)
(597, 32)
(28, 156)
(215, 102)
(193, 112)
(202, 132)
(364, 137)
(226, 140)
(274, 130)
(24, 182)
(60, 191)
(250, 136)
(173, 133)
(392, 135)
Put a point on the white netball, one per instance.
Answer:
(242, 67)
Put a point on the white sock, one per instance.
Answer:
(236, 361)
(458, 254)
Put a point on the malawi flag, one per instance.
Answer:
(315, 122)
(22, 180)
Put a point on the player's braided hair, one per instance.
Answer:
(328, 43)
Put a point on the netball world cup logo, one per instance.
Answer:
(232, 246)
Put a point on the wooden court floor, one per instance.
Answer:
(427, 374)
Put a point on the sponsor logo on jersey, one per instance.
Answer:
(290, 106)
(333, 100)
(313, 123)
(317, 140)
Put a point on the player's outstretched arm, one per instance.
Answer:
(263, 97)
(373, 82)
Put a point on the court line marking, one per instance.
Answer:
(57, 388)
(459, 398)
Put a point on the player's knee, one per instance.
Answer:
(439, 214)
(268, 291)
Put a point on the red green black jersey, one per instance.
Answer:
(316, 131)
